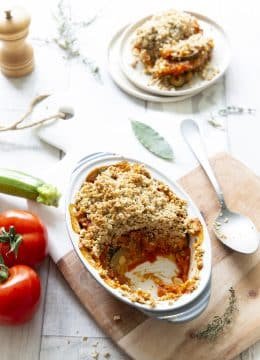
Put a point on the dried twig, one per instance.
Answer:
(18, 125)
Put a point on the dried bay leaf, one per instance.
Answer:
(152, 140)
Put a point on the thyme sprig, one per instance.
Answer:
(236, 110)
(219, 323)
(67, 39)
(215, 123)
(225, 112)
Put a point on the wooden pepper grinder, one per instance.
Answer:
(16, 55)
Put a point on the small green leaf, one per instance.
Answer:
(151, 140)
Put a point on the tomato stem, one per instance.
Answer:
(12, 238)
(4, 271)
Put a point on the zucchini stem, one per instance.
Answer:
(23, 185)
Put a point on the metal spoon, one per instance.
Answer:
(234, 230)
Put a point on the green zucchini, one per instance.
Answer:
(16, 183)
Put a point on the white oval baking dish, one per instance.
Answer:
(188, 306)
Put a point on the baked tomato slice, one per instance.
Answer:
(23, 238)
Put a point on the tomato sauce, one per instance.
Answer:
(136, 248)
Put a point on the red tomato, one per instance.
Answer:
(33, 246)
(19, 295)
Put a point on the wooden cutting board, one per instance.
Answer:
(147, 339)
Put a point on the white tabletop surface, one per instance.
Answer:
(62, 329)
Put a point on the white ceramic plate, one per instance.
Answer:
(122, 81)
(220, 59)
(97, 160)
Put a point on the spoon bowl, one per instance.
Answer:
(235, 230)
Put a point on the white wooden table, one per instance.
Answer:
(62, 329)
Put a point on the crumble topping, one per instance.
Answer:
(124, 198)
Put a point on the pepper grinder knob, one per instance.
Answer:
(8, 14)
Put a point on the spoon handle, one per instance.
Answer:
(192, 135)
